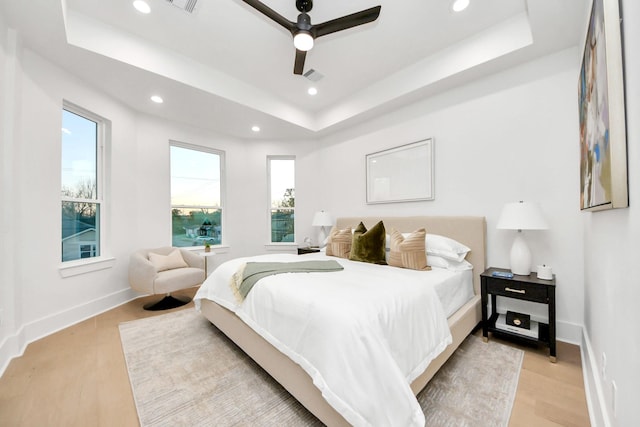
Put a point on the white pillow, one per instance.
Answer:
(445, 247)
(167, 262)
(436, 261)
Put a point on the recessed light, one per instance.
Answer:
(312, 91)
(459, 5)
(255, 128)
(157, 99)
(142, 6)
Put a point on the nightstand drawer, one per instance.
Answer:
(524, 291)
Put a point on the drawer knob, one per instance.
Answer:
(517, 291)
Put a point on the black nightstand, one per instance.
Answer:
(526, 288)
(302, 251)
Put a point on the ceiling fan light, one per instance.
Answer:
(303, 41)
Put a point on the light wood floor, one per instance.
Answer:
(78, 377)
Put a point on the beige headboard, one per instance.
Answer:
(469, 230)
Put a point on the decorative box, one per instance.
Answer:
(518, 320)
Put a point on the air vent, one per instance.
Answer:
(186, 5)
(313, 75)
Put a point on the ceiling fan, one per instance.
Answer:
(304, 32)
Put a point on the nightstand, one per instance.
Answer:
(310, 250)
(525, 288)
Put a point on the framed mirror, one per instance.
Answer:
(401, 174)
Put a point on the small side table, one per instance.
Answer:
(526, 288)
(309, 250)
(206, 256)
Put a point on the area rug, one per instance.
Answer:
(185, 372)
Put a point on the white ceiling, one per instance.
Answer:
(227, 67)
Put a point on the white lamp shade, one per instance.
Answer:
(521, 216)
(322, 219)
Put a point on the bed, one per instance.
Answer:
(461, 320)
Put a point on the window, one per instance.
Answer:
(282, 187)
(81, 184)
(196, 195)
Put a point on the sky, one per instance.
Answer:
(78, 150)
(282, 177)
(195, 177)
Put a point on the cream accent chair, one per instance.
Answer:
(145, 278)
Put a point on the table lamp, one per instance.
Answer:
(521, 216)
(322, 219)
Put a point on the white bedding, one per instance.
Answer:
(362, 334)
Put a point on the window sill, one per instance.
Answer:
(75, 268)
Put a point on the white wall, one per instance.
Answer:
(512, 136)
(5, 294)
(509, 137)
(9, 67)
(502, 139)
(45, 300)
(612, 318)
(246, 205)
(35, 299)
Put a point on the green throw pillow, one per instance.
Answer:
(368, 246)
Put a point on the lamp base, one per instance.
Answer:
(322, 236)
(520, 256)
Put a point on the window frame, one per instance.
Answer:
(270, 209)
(222, 155)
(102, 260)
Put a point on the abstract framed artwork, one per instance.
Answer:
(603, 141)
(401, 174)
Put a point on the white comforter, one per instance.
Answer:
(363, 334)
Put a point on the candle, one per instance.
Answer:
(544, 272)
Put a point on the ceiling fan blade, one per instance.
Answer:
(348, 21)
(272, 14)
(298, 67)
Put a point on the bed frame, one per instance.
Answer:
(470, 231)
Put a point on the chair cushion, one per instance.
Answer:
(167, 262)
(176, 279)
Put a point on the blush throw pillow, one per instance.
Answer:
(167, 262)
(408, 251)
(339, 243)
(368, 245)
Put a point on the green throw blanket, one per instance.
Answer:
(249, 273)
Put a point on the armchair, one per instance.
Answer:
(162, 271)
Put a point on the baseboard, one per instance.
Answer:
(569, 333)
(598, 412)
(14, 345)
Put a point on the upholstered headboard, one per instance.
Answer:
(469, 230)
